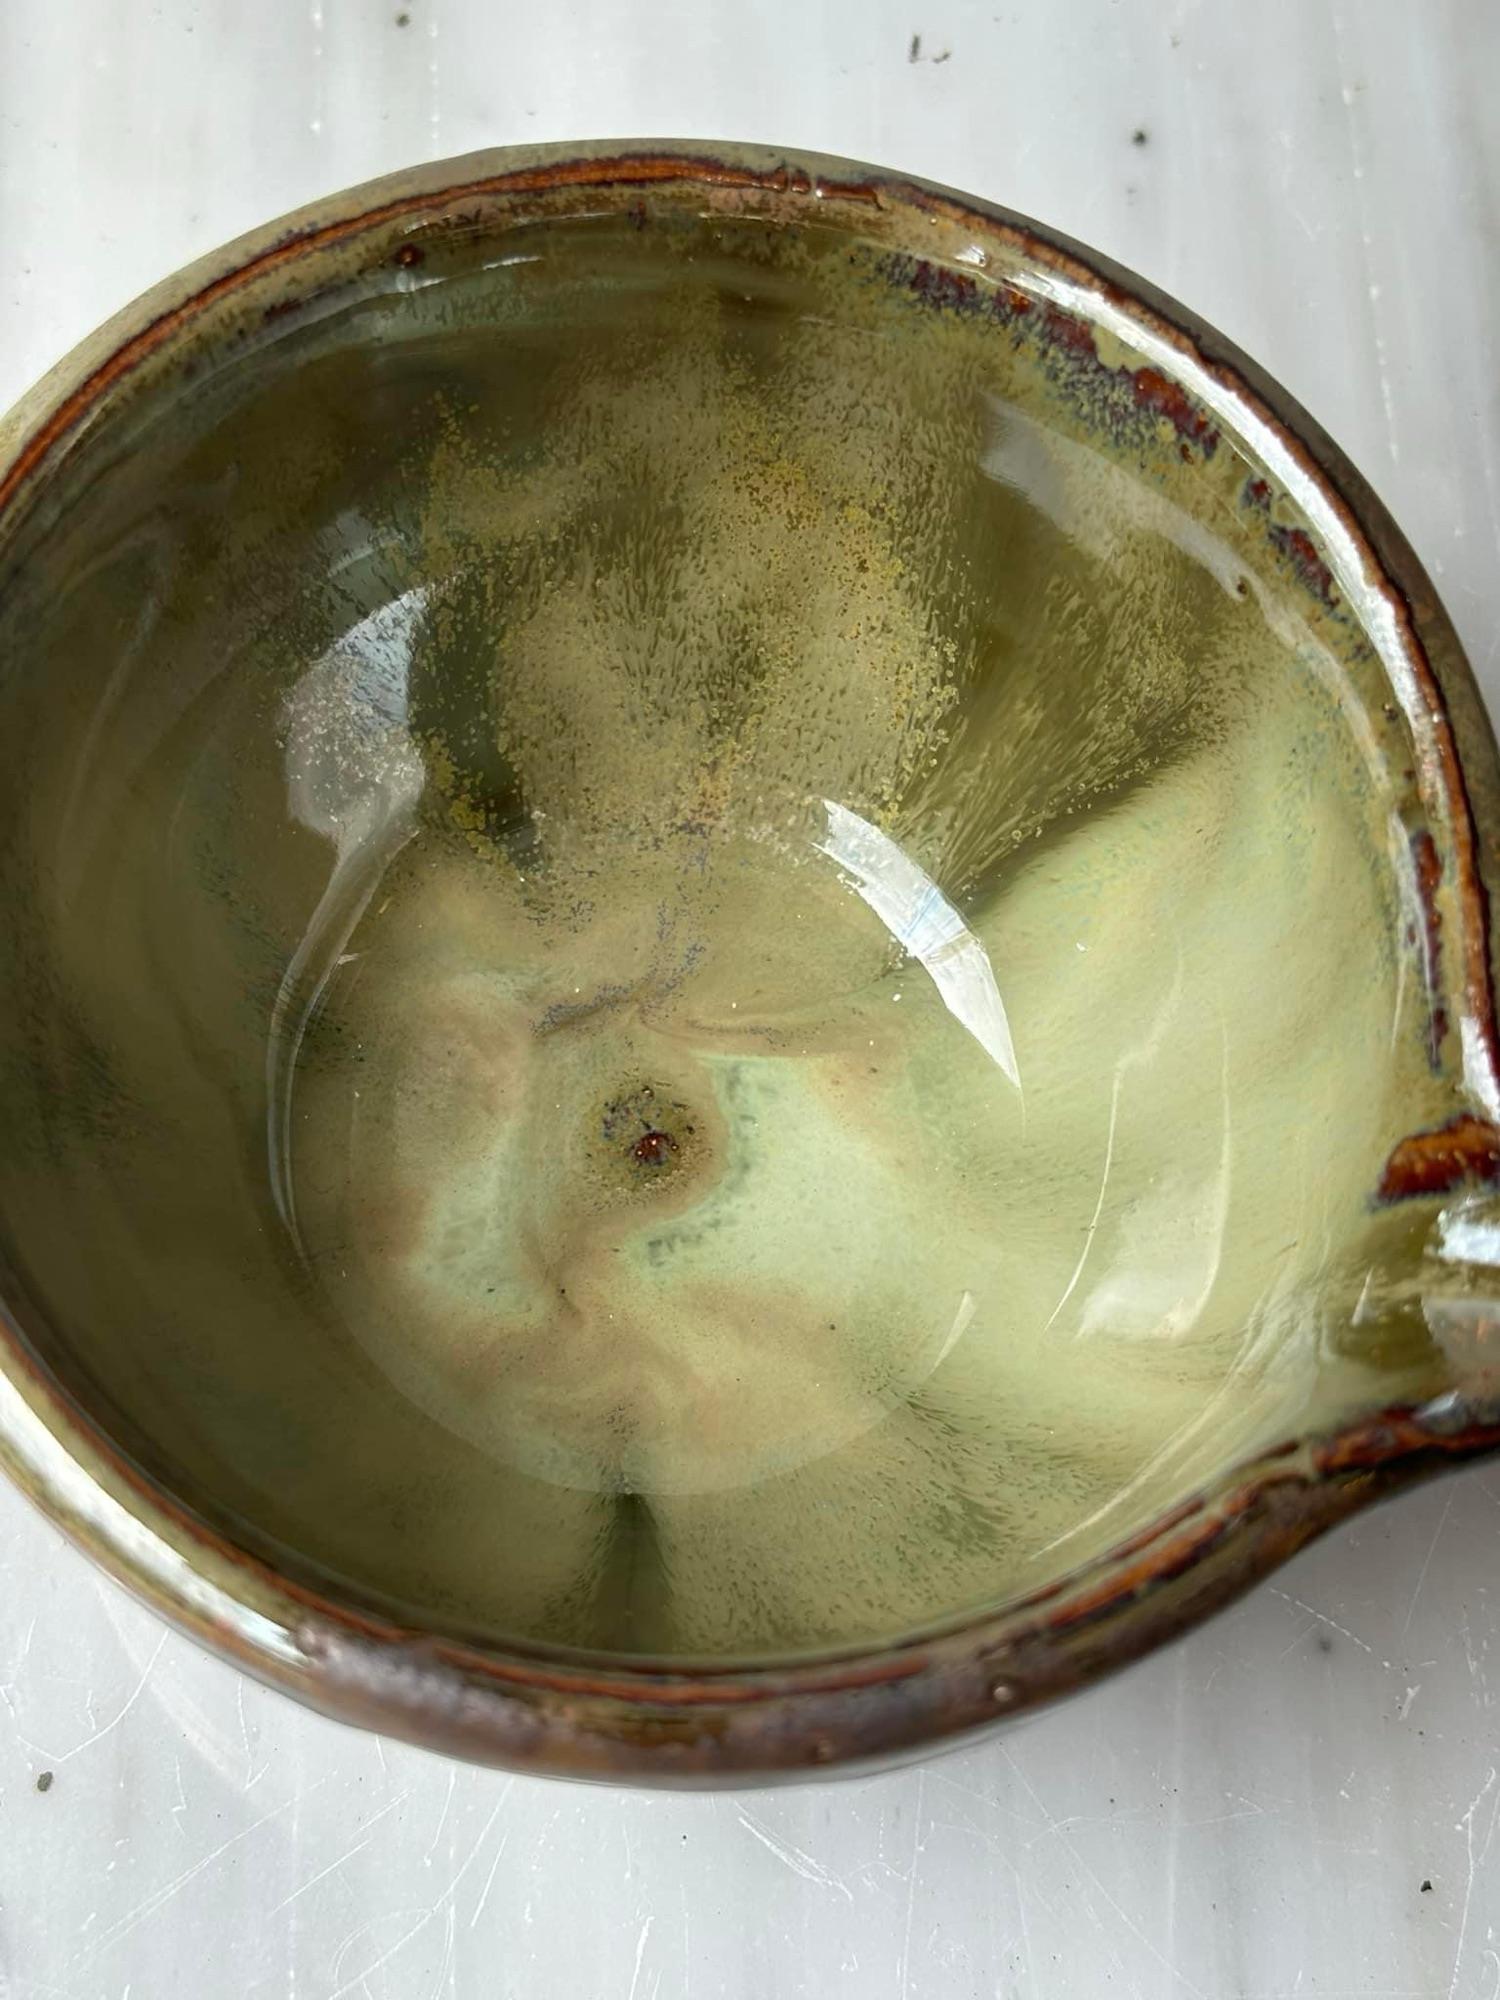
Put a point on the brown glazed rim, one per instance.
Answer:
(532, 1710)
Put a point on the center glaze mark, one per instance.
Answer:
(654, 1149)
(647, 1133)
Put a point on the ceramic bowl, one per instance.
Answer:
(748, 1008)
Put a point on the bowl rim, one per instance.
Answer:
(534, 1708)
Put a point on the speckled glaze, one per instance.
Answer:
(1127, 362)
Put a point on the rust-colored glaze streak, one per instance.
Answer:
(1392, 1435)
(1427, 716)
(1301, 551)
(779, 1720)
(625, 172)
(1465, 1149)
(1155, 391)
(1474, 905)
(1427, 870)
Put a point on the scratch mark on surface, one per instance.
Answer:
(1174, 1830)
(911, 1884)
(441, 1905)
(1466, 1827)
(1295, 1992)
(1025, 1923)
(25, 1653)
(799, 1862)
(1466, 1631)
(1224, 1819)
(449, 1926)
(434, 89)
(473, 1855)
(1088, 1869)
(122, 1711)
(252, 1776)
(1349, 93)
(640, 1953)
(347, 1855)
(385, 1957)
(1084, 1819)
(489, 1882)
(983, 1799)
(1332, 1623)
(1292, 1645)
(159, 1898)
(484, 1894)
(442, 1820)
(1437, 1534)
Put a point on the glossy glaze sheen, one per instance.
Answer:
(565, 1718)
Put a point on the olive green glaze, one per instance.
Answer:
(747, 1006)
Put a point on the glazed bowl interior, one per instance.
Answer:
(707, 958)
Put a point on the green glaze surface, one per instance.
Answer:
(701, 960)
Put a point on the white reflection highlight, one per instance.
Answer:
(923, 922)
(354, 776)
(1468, 1232)
(956, 1332)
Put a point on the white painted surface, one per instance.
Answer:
(1247, 1817)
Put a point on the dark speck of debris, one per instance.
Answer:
(44, 1784)
(1426, 1889)
(914, 53)
(1139, 136)
(403, 20)
(1325, 1644)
